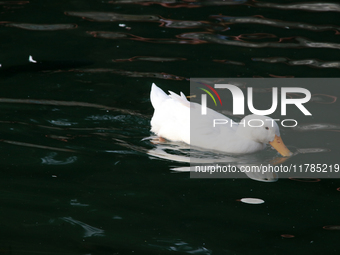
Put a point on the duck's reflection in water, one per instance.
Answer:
(183, 153)
(257, 176)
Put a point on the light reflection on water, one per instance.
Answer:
(88, 230)
(178, 246)
(40, 27)
(49, 160)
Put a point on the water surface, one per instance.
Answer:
(76, 177)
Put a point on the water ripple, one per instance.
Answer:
(112, 16)
(317, 127)
(62, 122)
(292, 42)
(192, 24)
(287, 236)
(319, 7)
(229, 62)
(35, 146)
(75, 202)
(149, 58)
(117, 35)
(89, 230)
(181, 4)
(277, 23)
(332, 227)
(49, 160)
(178, 245)
(165, 76)
(40, 27)
(313, 150)
(208, 37)
(117, 17)
(308, 62)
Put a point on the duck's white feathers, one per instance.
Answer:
(165, 122)
(174, 114)
(157, 96)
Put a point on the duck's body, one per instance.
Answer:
(174, 114)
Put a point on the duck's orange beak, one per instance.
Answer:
(278, 145)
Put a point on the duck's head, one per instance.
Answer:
(263, 129)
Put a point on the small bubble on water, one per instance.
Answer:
(252, 200)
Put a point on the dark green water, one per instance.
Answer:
(75, 175)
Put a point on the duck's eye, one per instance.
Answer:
(267, 128)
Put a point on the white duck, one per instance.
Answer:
(174, 114)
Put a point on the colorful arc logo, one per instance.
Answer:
(209, 93)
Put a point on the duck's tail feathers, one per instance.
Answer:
(180, 98)
(157, 96)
